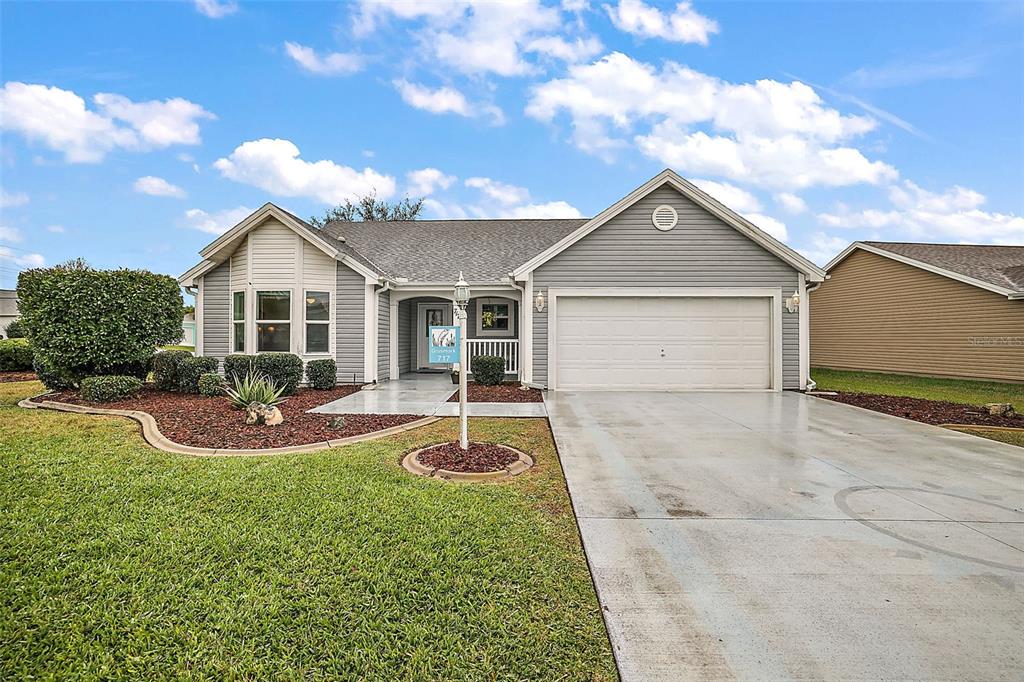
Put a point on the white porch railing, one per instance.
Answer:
(508, 349)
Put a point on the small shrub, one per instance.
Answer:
(15, 355)
(167, 369)
(53, 378)
(191, 369)
(254, 388)
(211, 384)
(105, 389)
(15, 330)
(284, 369)
(321, 374)
(488, 370)
(238, 365)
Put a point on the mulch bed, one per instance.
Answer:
(927, 411)
(212, 423)
(479, 458)
(8, 377)
(502, 393)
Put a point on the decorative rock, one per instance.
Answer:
(998, 409)
(258, 413)
(337, 423)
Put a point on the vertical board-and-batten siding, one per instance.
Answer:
(349, 315)
(384, 336)
(701, 251)
(216, 306)
(880, 315)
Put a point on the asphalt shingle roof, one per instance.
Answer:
(1002, 266)
(437, 250)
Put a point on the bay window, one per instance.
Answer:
(273, 321)
(318, 321)
(238, 321)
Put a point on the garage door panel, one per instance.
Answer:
(663, 343)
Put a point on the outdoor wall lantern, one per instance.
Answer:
(538, 302)
(793, 302)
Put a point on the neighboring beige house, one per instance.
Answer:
(932, 309)
(8, 309)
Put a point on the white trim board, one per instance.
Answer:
(696, 195)
(773, 293)
(988, 286)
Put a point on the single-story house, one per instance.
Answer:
(665, 289)
(8, 309)
(949, 310)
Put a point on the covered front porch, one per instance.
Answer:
(493, 324)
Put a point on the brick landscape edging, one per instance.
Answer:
(151, 433)
(413, 466)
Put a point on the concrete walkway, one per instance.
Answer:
(425, 394)
(780, 536)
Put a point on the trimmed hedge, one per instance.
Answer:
(106, 389)
(191, 369)
(284, 369)
(86, 322)
(488, 370)
(237, 365)
(15, 330)
(322, 374)
(167, 369)
(211, 384)
(15, 355)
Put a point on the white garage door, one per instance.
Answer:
(663, 343)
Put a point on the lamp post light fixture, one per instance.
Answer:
(461, 302)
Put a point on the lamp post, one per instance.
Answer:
(461, 301)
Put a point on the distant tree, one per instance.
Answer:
(369, 207)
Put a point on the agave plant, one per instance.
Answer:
(254, 387)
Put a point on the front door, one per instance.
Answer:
(429, 315)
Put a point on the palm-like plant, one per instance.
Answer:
(254, 387)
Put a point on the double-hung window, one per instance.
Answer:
(273, 321)
(493, 317)
(318, 321)
(238, 321)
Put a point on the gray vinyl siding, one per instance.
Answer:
(701, 251)
(471, 320)
(384, 336)
(406, 322)
(216, 306)
(350, 319)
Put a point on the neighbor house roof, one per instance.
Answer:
(423, 250)
(997, 268)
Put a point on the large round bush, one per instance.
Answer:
(87, 322)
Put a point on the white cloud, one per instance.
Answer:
(426, 181)
(12, 199)
(552, 209)
(571, 52)
(918, 214)
(158, 187)
(790, 203)
(732, 196)
(823, 248)
(765, 133)
(683, 25)
(331, 64)
(9, 234)
(218, 222)
(28, 260)
(216, 9)
(772, 226)
(60, 120)
(443, 100)
(56, 229)
(274, 166)
(499, 191)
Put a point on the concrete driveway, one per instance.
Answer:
(780, 536)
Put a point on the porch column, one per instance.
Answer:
(393, 370)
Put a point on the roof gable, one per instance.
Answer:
(999, 269)
(701, 199)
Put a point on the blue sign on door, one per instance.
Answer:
(444, 345)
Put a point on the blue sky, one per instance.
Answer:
(133, 132)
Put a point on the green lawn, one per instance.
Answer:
(190, 349)
(120, 561)
(952, 390)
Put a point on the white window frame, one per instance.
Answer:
(257, 322)
(501, 333)
(327, 323)
(244, 321)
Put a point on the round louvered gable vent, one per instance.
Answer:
(664, 217)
